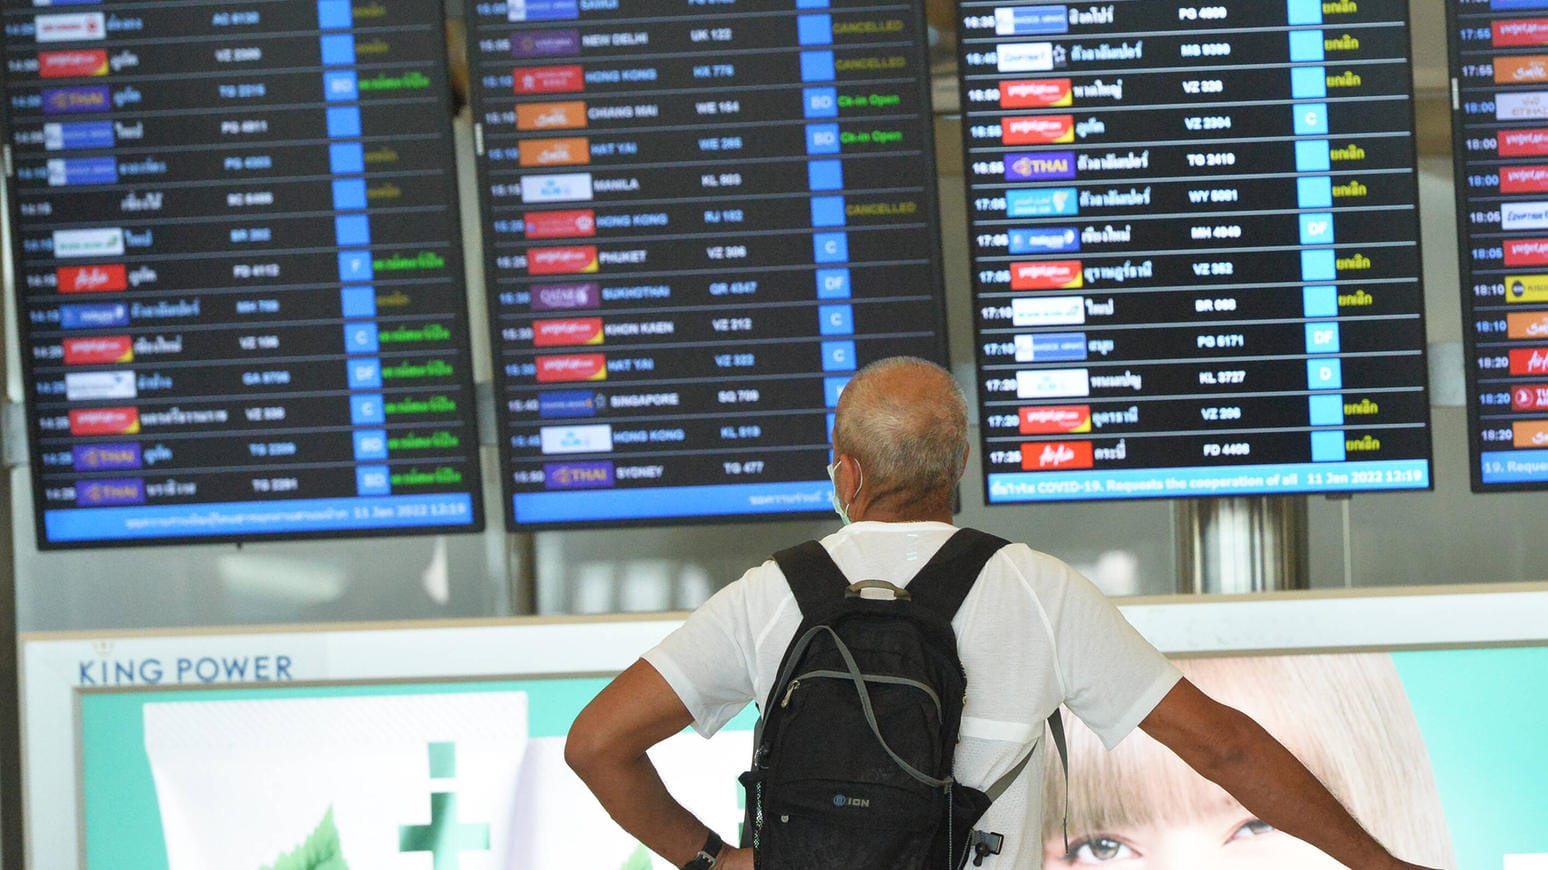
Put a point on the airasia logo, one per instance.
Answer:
(1056, 456)
(1533, 397)
(105, 421)
(1035, 94)
(1066, 420)
(561, 224)
(561, 261)
(1531, 361)
(562, 333)
(1049, 275)
(1046, 130)
(72, 64)
(98, 351)
(92, 279)
(577, 367)
(550, 79)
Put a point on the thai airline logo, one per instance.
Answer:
(98, 351)
(1533, 397)
(1527, 325)
(1056, 420)
(89, 243)
(79, 136)
(551, 116)
(596, 438)
(75, 101)
(567, 333)
(574, 151)
(1039, 130)
(1526, 252)
(1521, 33)
(1043, 202)
(71, 28)
(92, 279)
(1053, 383)
(1529, 361)
(562, 261)
(575, 367)
(108, 316)
(577, 475)
(1531, 433)
(108, 493)
(1047, 275)
(100, 386)
(1525, 288)
(1040, 166)
(1036, 94)
(550, 79)
(1523, 143)
(105, 421)
(569, 187)
(1050, 311)
(72, 64)
(560, 224)
(566, 297)
(1056, 456)
(545, 43)
(107, 457)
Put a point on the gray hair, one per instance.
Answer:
(905, 420)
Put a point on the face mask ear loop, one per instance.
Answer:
(858, 487)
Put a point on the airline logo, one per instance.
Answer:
(75, 101)
(1053, 240)
(1528, 325)
(78, 137)
(545, 43)
(1533, 397)
(569, 404)
(108, 493)
(82, 171)
(1049, 202)
(1040, 130)
(97, 386)
(1520, 70)
(1047, 275)
(567, 333)
(560, 224)
(1526, 252)
(577, 475)
(551, 116)
(109, 316)
(71, 28)
(1042, 166)
(105, 421)
(1521, 106)
(1036, 94)
(1049, 311)
(1524, 179)
(1056, 420)
(1524, 215)
(88, 243)
(1053, 384)
(574, 151)
(566, 297)
(550, 79)
(1522, 32)
(596, 438)
(1529, 361)
(107, 457)
(98, 351)
(542, 10)
(562, 261)
(1526, 288)
(569, 187)
(1051, 347)
(1025, 57)
(1523, 143)
(1056, 456)
(1532, 433)
(72, 64)
(91, 279)
(1031, 20)
(575, 367)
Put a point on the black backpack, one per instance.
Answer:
(852, 757)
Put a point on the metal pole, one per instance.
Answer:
(11, 847)
(1238, 545)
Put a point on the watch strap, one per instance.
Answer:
(708, 856)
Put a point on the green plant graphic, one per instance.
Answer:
(640, 860)
(321, 851)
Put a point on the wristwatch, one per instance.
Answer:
(708, 855)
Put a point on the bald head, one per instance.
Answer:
(905, 420)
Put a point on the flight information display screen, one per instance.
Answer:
(699, 221)
(1194, 243)
(1499, 68)
(239, 270)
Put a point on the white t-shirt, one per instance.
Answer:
(1032, 634)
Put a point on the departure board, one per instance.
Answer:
(239, 270)
(1499, 68)
(700, 219)
(1194, 243)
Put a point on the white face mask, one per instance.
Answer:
(839, 507)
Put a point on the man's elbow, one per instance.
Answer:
(585, 749)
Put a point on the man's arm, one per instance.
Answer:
(606, 749)
(1229, 748)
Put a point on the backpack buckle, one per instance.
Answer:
(877, 589)
(983, 844)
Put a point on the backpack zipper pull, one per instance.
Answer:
(794, 684)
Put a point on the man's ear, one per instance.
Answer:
(967, 453)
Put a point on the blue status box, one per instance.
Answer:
(823, 175)
(1328, 446)
(1307, 46)
(1319, 265)
(1324, 374)
(836, 320)
(1317, 228)
(361, 338)
(356, 266)
(838, 356)
(817, 66)
(828, 211)
(1320, 301)
(1308, 82)
(1313, 155)
(830, 247)
(367, 409)
(1322, 337)
(834, 283)
(352, 229)
(365, 373)
(1314, 192)
(1326, 409)
(814, 29)
(338, 49)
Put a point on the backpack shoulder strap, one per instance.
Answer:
(944, 582)
(813, 576)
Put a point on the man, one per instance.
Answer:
(1032, 634)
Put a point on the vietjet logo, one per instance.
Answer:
(1526, 252)
(562, 261)
(1062, 420)
(1530, 31)
(1045, 130)
(1532, 361)
(105, 421)
(72, 64)
(98, 351)
(577, 367)
(92, 279)
(551, 116)
(1524, 179)
(1533, 397)
(561, 224)
(1036, 94)
(1056, 456)
(1523, 143)
(555, 152)
(562, 333)
(1047, 275)
(550, 79)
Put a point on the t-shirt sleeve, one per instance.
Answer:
(708, 661)
(1112, 676)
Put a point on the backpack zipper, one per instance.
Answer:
(869, 678)
(790, 690)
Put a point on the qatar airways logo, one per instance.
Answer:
(1056, 456)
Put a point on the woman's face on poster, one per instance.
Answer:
(1225, 839)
